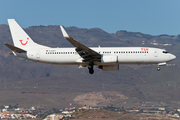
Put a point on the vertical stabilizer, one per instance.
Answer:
(20, 38)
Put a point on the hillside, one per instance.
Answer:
(106, 115)
(30, 83)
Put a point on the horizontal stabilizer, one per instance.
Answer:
(15, 49)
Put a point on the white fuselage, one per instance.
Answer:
(106, 58)
(125, 55)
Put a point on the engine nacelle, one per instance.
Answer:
(109, 59)
(109, 67)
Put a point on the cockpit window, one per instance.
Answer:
(165, 52)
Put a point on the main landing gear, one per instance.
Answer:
(90, 67)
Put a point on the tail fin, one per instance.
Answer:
(20, 38)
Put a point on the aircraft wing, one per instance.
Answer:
(86, 53)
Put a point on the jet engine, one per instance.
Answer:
(109, 67)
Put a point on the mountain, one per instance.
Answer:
(30, 83)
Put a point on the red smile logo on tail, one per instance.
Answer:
(25, 42)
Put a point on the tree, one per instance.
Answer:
(10, 107)
(55, 110)
(1, 107)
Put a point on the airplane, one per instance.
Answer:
(106, 58)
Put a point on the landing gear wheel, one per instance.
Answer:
(91, 71)
(90, 67)
(158, 69)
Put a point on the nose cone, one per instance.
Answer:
(173, 57)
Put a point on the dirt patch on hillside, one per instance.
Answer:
(96, 98)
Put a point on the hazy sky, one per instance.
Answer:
(153, 17)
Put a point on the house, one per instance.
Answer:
(161, 109)
(54, 117)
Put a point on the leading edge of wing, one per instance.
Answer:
(79, 46)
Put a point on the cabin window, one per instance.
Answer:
(116, 52)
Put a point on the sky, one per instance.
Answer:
(154, 17)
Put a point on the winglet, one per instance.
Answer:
(64, 32)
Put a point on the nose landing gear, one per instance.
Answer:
(158, 69)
